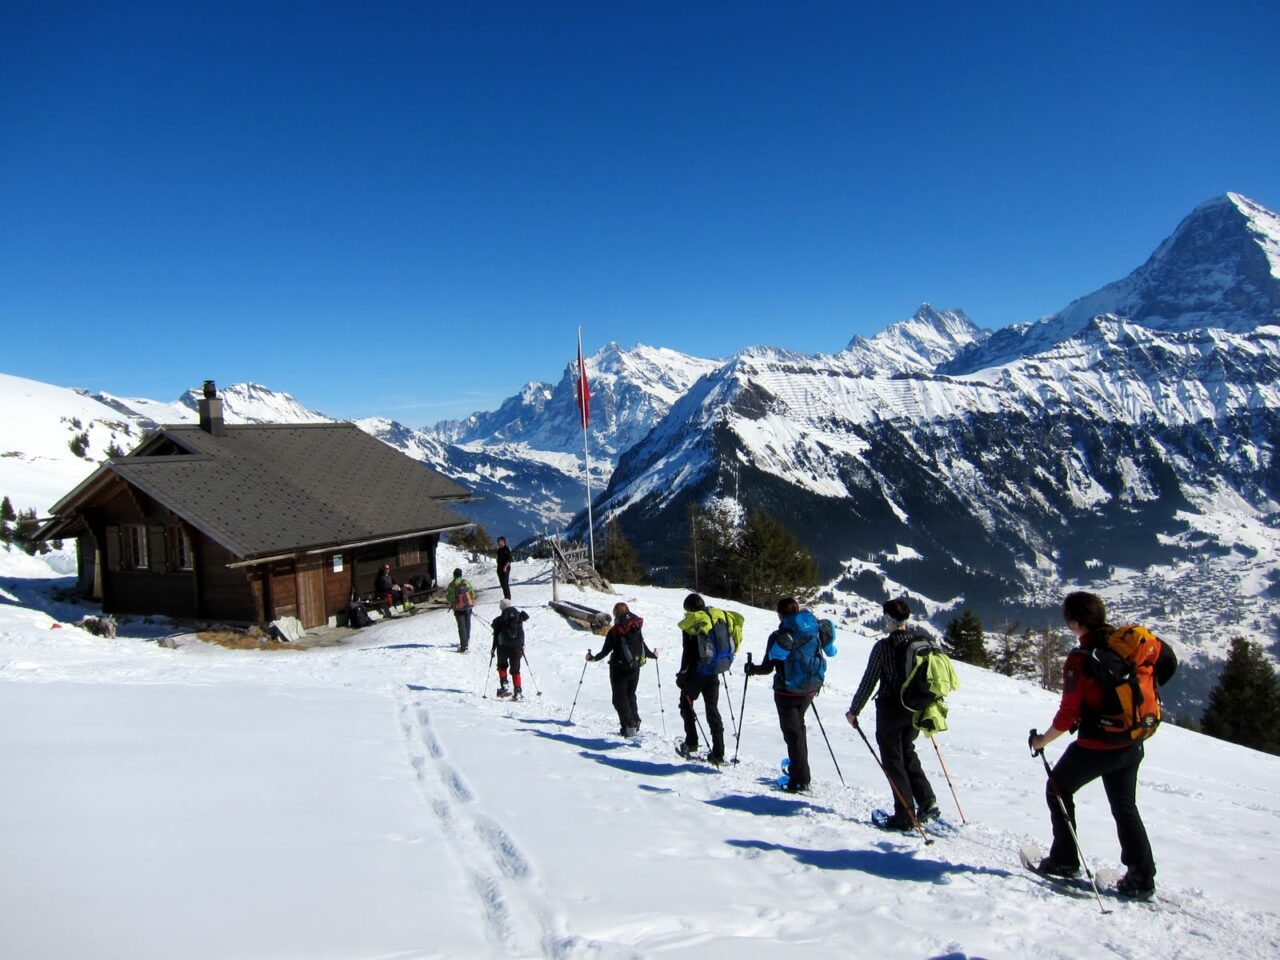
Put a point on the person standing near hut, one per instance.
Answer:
(461, 598)
(504, 567)
(625, 647)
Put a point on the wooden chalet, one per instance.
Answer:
(250, 523)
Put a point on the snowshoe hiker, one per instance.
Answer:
(887, 668)
(461, 598)
(508, 644)
(703, 633)
(625, 647)
(796, 656)
(1104, 747)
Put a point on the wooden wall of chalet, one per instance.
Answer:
(159, 586)
(226, 593)
(307, 587)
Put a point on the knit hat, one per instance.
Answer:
(505, 604)
(897, 610)
(457, 573)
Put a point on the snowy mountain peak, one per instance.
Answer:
(1220, 268)
(254, 403)
(920, 343)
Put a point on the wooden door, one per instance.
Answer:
(311, 609)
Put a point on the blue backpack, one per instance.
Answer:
(803, 644)
(715, 647)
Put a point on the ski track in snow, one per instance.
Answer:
(498, 872)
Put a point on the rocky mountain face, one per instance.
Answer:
(1217, 270)
(1129, 452)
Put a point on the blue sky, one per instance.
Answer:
(406, 209)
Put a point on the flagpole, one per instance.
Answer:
(586, 456)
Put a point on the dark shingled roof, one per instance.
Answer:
(281, 488)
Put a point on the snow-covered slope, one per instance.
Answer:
(373, 799)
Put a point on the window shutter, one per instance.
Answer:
(113, 549)
(156, 555)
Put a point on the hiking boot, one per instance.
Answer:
(686, 749)
(928, 812)
(793, 787)
(1135, 887)
(899, 821)
(1054, 868)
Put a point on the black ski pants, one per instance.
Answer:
(510, 657)
(695, 685)
(791, 711)
(1119, 772)
(504, 580)
(896, 737)
(624, 680)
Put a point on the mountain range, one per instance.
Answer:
(1126, 443)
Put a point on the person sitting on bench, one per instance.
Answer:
(386, 589)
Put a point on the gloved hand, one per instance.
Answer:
(853, 719)
(588, 655)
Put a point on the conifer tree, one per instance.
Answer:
(714, 550)
(1015, 653)
(774, 563)
(1049, 648)
(966, 640)
(7, 515)
(474, 540)
(617, 561)
(1244, 707)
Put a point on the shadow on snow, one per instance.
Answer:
(885, 862)
(648, 767)
(585, 743)
(767, 806)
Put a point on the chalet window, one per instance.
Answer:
(181, 549)
(135, 546)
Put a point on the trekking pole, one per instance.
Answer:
(1071, 827)
(579, 690)
(896, 792)
(488, 670)
(531, 676)
(737, 737)
(662, 709)
(948, 776)
(724, 685)
(814, 707)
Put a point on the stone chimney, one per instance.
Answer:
(211, 411)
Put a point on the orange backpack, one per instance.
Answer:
(464, 597)
(1126, 669)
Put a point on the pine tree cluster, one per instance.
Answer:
(1244, 707)
(756, 562)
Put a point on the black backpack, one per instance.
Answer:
(508, 629)
(631, 648)
(358, 616)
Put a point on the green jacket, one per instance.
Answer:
(942, 680)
